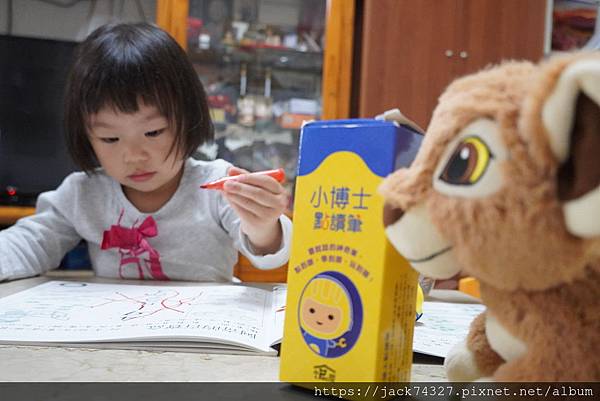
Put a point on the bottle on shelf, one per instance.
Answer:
(245, 103)
(263, 105)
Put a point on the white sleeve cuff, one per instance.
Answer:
(272, 260)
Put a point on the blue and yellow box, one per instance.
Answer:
(350, 308)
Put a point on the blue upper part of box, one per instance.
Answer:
(383, 145)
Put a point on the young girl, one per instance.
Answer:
(135, 111)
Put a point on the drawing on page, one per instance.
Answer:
(15, 315)
(150, 303)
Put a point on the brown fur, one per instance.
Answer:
(486, 359)
(541, 282)
(561, 326)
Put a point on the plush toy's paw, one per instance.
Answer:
(460, 364)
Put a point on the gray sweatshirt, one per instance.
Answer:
(195, 236)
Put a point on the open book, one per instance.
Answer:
(206, 318)
(442, 326)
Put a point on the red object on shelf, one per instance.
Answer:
(194, 27)
(294, 120)
(221, 101)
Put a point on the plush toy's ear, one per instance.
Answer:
(571, 116)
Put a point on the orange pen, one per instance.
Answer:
(278, 174)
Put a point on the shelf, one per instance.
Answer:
(261, 57)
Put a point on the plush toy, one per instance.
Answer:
(506, 187)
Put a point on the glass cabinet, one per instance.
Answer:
(262, 65)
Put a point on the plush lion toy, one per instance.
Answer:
(506, 187)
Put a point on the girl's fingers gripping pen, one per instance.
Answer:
(278, 174)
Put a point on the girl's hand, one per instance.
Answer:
(258, 200)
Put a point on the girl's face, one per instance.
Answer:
(132, 149)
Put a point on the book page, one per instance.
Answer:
(443, 325)
(85, 312)
(278, 312)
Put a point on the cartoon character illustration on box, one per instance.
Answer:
(330, 314)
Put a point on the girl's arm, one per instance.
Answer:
(37, 243)
(275, 257)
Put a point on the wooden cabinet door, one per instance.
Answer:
(408, 55)
(411, 50)
(499, 30)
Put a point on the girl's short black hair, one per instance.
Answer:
(119, 65)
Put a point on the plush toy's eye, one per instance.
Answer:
(468, 162)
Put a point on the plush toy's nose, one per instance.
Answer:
(391, 214)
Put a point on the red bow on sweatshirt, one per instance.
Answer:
(134, 240)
